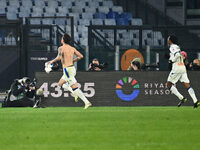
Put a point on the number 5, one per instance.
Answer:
(89, 87)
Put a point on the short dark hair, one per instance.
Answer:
(173, 39)
(95, 59)
(66, 38)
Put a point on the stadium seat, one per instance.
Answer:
(90, 10)
(94, 4)
(135, 34)
(60, 21)
(75, 15)
(12, 9)
(66, 3)
(97, 22)
(110, 22)
(45, 34)
(14, 3)
(103, 9)
(47, 21)
(147, 34)
(112, 14)
(127, 35)
(100, 15)
(157, 34)
(49, 14)
(27, 3)
(80, 3)
(62, 11)
(24, 13)
(49, 10)
(126, 15)
(108, 33)
(39, 3)
(125, 42)
(108, 3)
(11, 16)
(52, 3)
(10, 40)
(135, 42)
(36, 9)
(84, 41)
(35, 21)
(118, 9)
(76, 9)
(85, 22)
(87, 16)
(161, 42)
(82, 30)
(3, 4)
(2, 11)
(122, 21)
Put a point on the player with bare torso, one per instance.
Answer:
(66, 55)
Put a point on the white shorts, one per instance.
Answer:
(69, 75)
(174, 77)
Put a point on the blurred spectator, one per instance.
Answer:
(96, 66)
(185, 59)
(195, 65)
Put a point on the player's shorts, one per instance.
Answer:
(174, 77)
(69, 75)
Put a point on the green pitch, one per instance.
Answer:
(100, 128)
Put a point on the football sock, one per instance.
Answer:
(174, 90)
(68, 88)
(80, 94)
(192, 94)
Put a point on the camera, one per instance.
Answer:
(100, 66)
(148, 66)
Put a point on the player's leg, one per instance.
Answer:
(62, 83)
(186, 82)
(80, 94)
(74, 85)
(172, 79)
(68, 88)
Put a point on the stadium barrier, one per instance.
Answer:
(116, 88)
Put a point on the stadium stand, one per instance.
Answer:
(85, 12)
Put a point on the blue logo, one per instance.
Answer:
(134, 84)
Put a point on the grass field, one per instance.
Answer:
(100, 128)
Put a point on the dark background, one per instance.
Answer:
(104, 85)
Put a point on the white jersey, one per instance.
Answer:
(176, 58)
(178, 72)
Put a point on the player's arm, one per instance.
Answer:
(78, 54)
(174, 54)
(58, 57)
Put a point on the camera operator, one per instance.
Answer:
(195, 65)
(135, 65)
(21, 94)
(96, 66)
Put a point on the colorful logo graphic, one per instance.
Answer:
(119, 87)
